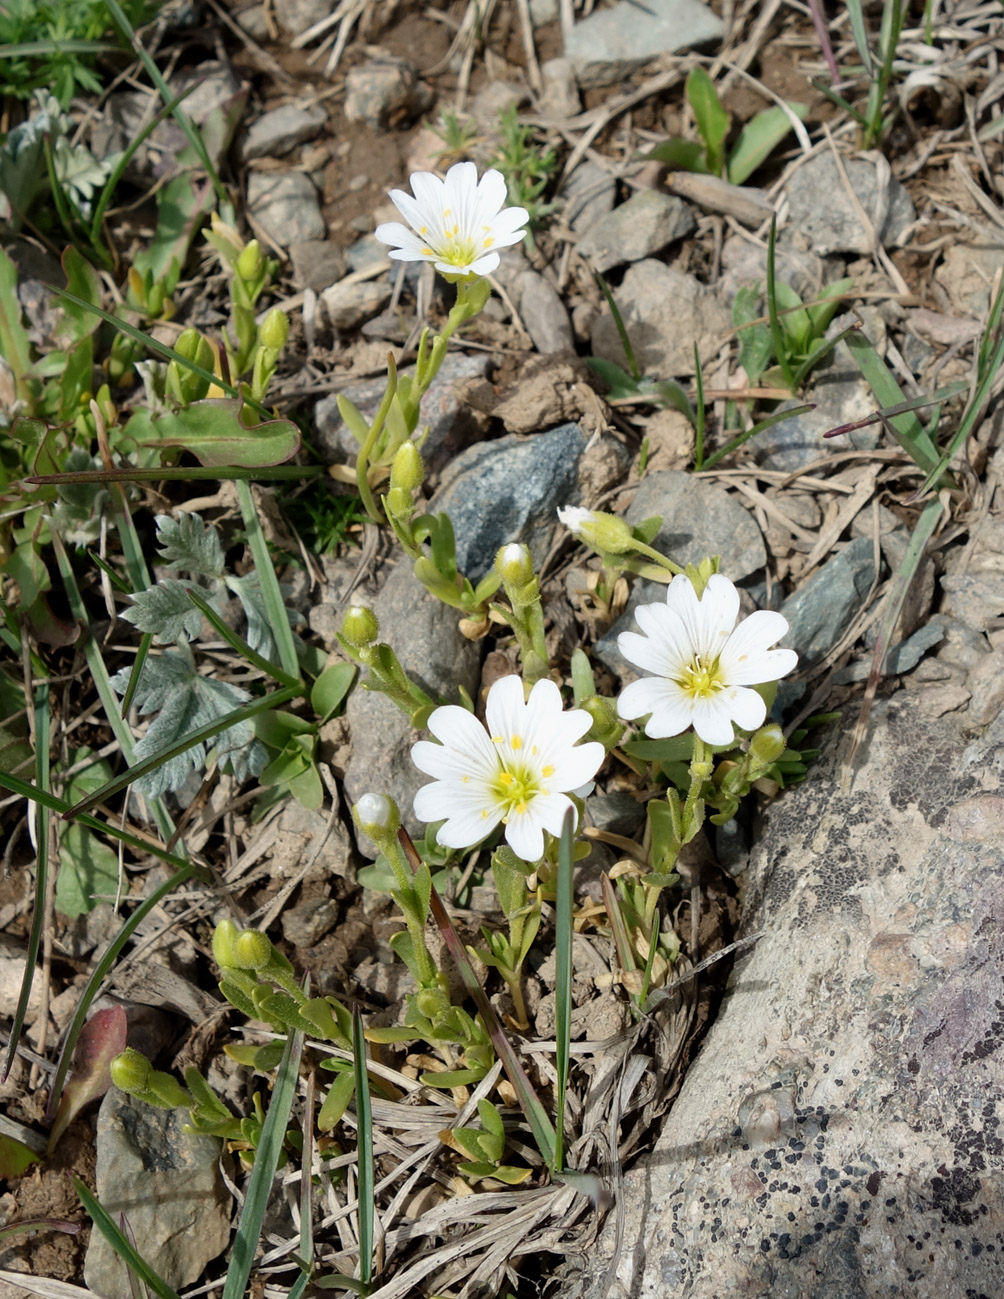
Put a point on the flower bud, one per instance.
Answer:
(187, 343)
(252, 950)
(359, 626)
(767, 744)
(407, 471)
(377, 816)
(250, 261)
(224, 936)
(130, 1070)
(514, 565)
(604, 532)
(607, 727)
(275, 329)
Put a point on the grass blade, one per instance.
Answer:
(701, 413)
(273, 1134)
(104, 965)
(907, 429)
(564, 908)
(776, 331)
(859, 31)
(622, 333)
(133, 1260)
(366, 1176)
(777, 418)
(193, 473)
(270, 591)
(238, 643)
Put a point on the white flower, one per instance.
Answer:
(519, 771)
(703, 662)
(574, 517)
(456, 224)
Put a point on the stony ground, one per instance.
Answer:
(330, 108)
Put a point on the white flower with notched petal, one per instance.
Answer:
(457, 224)
(518, 772)
(703, 662)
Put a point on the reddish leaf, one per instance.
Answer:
(101, 1039)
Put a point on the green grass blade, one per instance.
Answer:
(238, 643)
(564, 910)
(907, 429)
(622, 333)
(366, 1175)
(777, 418)
(859, 31)
(133, 1260)
(43, 735)
(99, 973)
(266, 1161)
(701, 414)
(208, 732)
(270, 591)
(14, 345)
(153, 72)
(776, 330)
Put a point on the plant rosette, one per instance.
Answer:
(458, 224)
(518, 773)
(705, 664)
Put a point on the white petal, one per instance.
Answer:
(672, 709)
(412, 211)
(509, 221)
(492, 194)
(484, 265)
(467, 829)
(747, 658)
(671, 633)
(408, 255)
(505, 711)
(461, 731)
(524, 835)
(648, 654)
(430, 193)
(716, 616)
(713, 718)
(747, 707)
(393, 232)
(575, 768)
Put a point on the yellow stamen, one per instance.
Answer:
(517, 741)
(547, 770)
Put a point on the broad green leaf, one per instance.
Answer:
(759, 138)
(330, 689)
(259, 633)
(680, 155)
(88, 867)
(795, 322)
(213, 432)
(188, 544)
(754, 340)
(101, 1039)
(181, 206)
(711, 116)
(15, 1158)
(76, 322)
(828, 303)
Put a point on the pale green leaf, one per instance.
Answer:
(166, 611)
(188, 544)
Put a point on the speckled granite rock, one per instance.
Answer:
(841, 1132)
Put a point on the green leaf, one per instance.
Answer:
(214, 433)
(14, 345)
(185, 702)
(15, 1158)
(619, 382)
(330, 689)
(188, 544)
(259, 627)
(759, 138)
(75, 322)
(680, 155)
(711, 116)
(829, 301)
(336, 1102)
(165, 611)
(754, 340)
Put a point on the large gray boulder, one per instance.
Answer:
(841, 1132)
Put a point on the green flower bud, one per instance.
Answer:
(377, 817)
(767, 744)
(407, 470)
(130, 1071)
(607, 727)
(250, 261)
(275, 329)
(514, 565)
(252, 950)
(187, 343)
(224, 937)
(604, 532)
(359, 626)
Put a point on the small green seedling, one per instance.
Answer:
(485, 1147)
(756, 141)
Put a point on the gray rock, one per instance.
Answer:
(494, 98)
(306, 924)
(253, 21)
(317, 264)
(699, 519)
(296, 16)
(560, 98)
(616, 813)
(645, 224)
(366, 252)
(509, 490)
(374, 91)
(845, 1107)
(794, 443)
(822, 209)
(611, 43)
(285, 205)
(901, 658)
(425, 636)
(350, 303)
(745, 264)
(543, 312)
(169, 1187)
(966, 273)
(589, 194)
(820, 613)
(279, 132)
(976, 598)
(450, 421)
(665, 312)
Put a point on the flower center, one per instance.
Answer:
(701, 680)
(516, 789)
